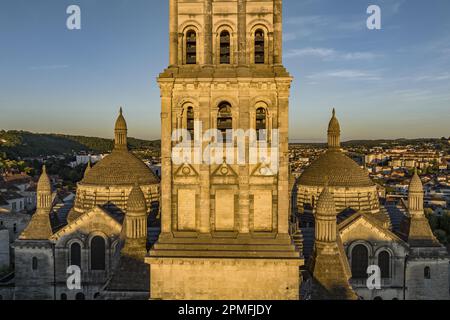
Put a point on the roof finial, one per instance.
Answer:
(334, 112)
(44, 169)
(120, 110)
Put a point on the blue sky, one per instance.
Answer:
(387, 83)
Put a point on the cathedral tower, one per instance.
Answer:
(224, 223)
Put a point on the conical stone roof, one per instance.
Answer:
(416, 184)
(325, 203)
(44, 181)
(136, 201)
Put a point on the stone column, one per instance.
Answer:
(242, 32)
(173, 29)
(208, 32)
(166, 156)
(278, 32)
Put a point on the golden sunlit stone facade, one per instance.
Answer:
(224, 228)
(111, 180)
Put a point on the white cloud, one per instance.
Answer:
(330, 54)
(348, 74)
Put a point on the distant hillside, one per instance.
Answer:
(27, 144)
(393, 142)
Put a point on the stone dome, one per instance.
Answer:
(44, 181)
(340, 170)
(136, 201)
(120, 168)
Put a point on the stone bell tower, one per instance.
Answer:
(225, 232)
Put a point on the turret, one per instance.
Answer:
(334, 133)
(136, 224)
(415, 196)
(120, 132)
(39, 227)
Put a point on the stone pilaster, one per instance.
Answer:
(173, 29)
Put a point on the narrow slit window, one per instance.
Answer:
(190, 121)
(259, 47)
(191, 47)
(225, 54)
(224, 120)
(261, 124)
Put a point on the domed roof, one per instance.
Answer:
(44, 181)
(416, 184)
(120, 168)
(325, 203)
(121, 124)
(136, 201)
(340, 170)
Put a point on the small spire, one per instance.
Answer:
(44, 169)
(334, 112)
(120, 110)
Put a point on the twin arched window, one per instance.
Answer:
(360, 262)
(225, 47)
(259, 47)
(191, 47)
(75, 254)
(98, 251)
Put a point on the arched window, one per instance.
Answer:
(191, 47)
(378, 298)
(75, 254)
(190, 121)
(63, 296)
(96, 295)
(98, 253)
(79, 296)
(427, 273)
(34, 263)
(384, 262)
(225, 56)
(360, 262)
(224, 119)
(261, 124)
(259, 47)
